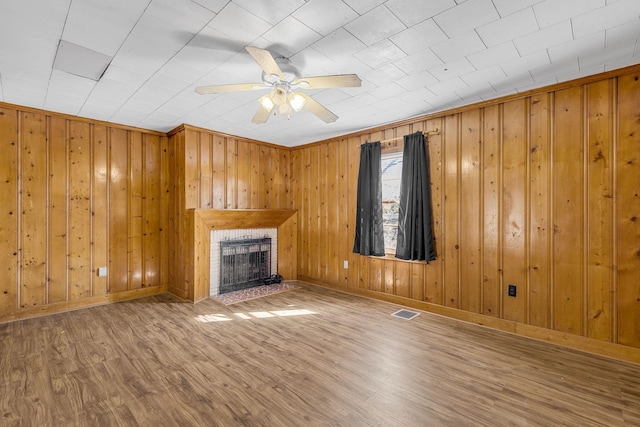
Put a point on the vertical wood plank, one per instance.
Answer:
(33, 240)
(313, 217)
(323, 226)
(191, 169)
(244, 175)
(206, 171)
(539, 229)
(256, 185)
(567, 219)
(342, 207)
(334, 247)
(151, 237)
(600, 210)
(514, 226)
(433, 283)
(118, 272)
(9, 209)
(353, 163)
(388, 285)
(232, 173)
(491, 230)
(135, 243)
(58, 211)
(402, 278)
(99, 207)
(218, 184)
(628, 210)
(470, 208)
(451, 185)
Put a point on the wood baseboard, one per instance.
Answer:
(576, 342)
(60, 307)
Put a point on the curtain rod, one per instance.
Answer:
(426, 133)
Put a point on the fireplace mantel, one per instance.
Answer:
(200, 222)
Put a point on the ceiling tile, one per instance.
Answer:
(375, 26)
(570, 50)
(114, 18)
(613, 14)
(339, 44)
(442, 88)
(411, 12)
(363, 6)
(313, 13)
(419, 37)
(546, 72)
(513, 26)
(452, 69)
(547, 37)
(495, 55)
(217, 5)
(388, 91)
(292, 34)
(521, 66)
(67, 93)
(419, 61)
(459, 46)
(417, 81)
(385, 75)
(551, 12)
(236, 23)
(488, 75)
(380, 54)
(270, 11)
(507, 7)
(622, 34)
(466, 16)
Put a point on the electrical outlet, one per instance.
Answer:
(511, 290)
(346, 264)
(102, 271)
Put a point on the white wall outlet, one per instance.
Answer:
(102, 271)
(346, 264)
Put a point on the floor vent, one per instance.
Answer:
(405, 314)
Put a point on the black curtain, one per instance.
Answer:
(369, 232)
(415, 233)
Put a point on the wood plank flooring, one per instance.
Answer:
(306, 357)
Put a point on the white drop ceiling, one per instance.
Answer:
(414, 56)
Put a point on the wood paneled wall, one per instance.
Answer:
(217, 171)
(540, 191)
(76, 195)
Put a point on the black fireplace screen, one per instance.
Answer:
(244, 263)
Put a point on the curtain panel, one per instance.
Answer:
(369, 238)
(415, 230)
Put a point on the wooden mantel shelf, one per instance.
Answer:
(200, 222)
(230, 219)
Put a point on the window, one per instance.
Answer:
(391, 167)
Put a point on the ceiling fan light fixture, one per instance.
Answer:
(266, 102)
(296, 101)
(279, 96)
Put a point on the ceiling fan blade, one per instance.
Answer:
(265, 61)
(318, 109)
(203, 90)
(340, 80)
(261, 116)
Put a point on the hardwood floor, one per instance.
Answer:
(310, 356)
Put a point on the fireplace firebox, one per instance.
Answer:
(244, 263)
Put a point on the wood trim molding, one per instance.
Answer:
(200, 222)
(64, 306)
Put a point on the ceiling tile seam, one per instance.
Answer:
(64, 25)
(133, 27)
(160, 68)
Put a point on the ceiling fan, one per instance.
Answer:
(283, 79)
